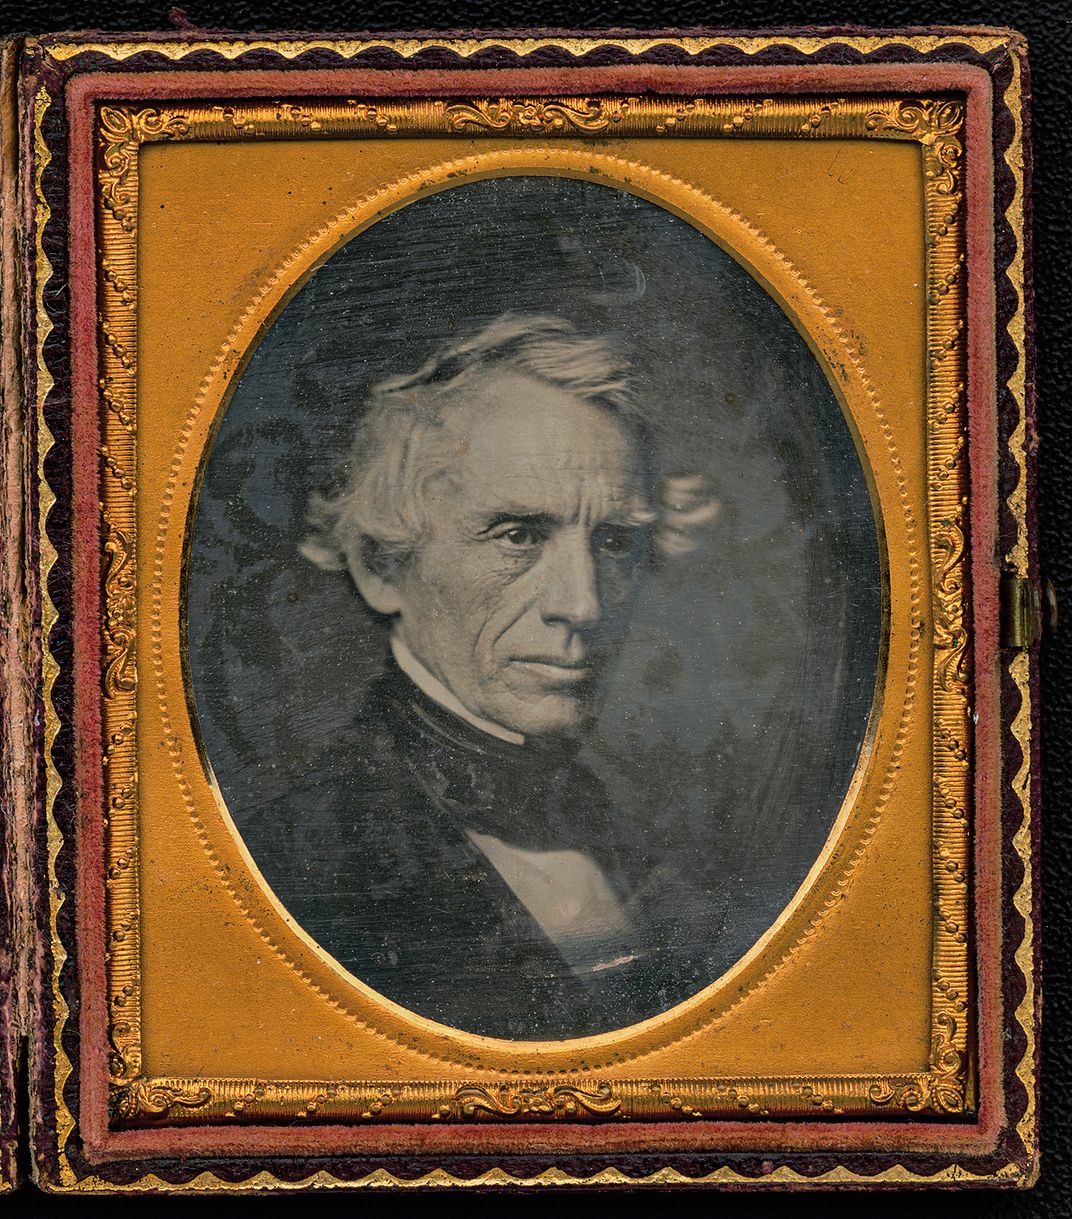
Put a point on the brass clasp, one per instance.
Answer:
(1021, 612)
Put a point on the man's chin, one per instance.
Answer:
(553, 717)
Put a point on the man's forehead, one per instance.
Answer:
(559, 495)
(511, 419)
(546, 474)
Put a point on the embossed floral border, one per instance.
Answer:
(935, 124)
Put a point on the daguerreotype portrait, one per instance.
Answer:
(534, 608)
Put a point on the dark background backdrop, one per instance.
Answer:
(1047, 25)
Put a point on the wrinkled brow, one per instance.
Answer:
(634, 514)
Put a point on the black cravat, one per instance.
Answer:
(534, 795)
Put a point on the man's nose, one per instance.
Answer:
(570, 585)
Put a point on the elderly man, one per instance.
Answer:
(452, 852)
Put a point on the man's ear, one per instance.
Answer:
(373, 572)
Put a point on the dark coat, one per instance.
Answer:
(370, 856)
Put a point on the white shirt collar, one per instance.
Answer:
(434, 688)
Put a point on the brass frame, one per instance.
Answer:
(935, 125)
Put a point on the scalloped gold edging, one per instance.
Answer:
(497, 1178)
(1017, 560)
(49, 614)
(1010, 1173)
(227, 48)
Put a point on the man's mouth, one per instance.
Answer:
(557, 668)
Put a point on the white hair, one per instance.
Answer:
(390, 465)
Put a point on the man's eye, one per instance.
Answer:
(616, 541)
(520, 536)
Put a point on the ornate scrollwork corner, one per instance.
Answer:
(936, 124)
(124, 1054)
(140, 1099)
(942, 1089)
(950, 633)
(122, 130)
(535, 1100)
(538, 115)
(119, 614)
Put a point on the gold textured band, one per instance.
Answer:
(935, 126)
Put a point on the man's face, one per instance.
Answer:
(524, 582)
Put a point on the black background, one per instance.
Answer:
(1047, 24)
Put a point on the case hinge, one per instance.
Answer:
(1021, 612)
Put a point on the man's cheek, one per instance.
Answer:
(456, 610)
(464, 566)
(485, 588)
